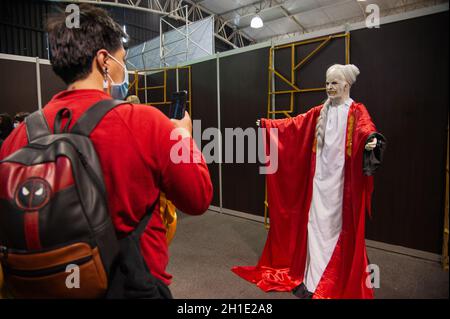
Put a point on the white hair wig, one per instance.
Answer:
(350, 72)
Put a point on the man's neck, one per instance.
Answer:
(90, 83)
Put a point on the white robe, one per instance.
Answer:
(325, 214)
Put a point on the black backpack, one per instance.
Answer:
(57, 239)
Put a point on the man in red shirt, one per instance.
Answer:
(132, 141)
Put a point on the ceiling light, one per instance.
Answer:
(125, 39)
(256, 22)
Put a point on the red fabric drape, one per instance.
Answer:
(282, 263)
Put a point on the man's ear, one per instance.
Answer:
(101, 59)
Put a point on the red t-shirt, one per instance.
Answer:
(133, 145)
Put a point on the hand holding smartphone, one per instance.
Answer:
(178, 114)
(178, 105)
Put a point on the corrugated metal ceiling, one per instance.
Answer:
(284, 17)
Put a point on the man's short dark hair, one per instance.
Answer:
(72, 50)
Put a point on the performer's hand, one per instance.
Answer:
(258, 122)
(371, 145)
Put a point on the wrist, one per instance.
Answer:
(183, 132)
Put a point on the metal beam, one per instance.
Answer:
(399, 8)
(263, 5)
(292, 14)
(221, 26)
(196, 12)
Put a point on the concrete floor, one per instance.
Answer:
(206, 247)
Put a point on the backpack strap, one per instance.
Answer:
(58, 120)
(90, 119)
(36, 126)
(143, 223)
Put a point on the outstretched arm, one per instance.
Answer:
(274, 122)
(288, 122)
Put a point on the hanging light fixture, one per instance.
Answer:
(125, 39)
(256, 22)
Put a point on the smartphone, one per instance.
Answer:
(178, 105)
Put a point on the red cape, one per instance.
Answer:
(282, 264)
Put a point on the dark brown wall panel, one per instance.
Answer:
(404, 84)
(243, 88)
(18, 86)
(204, 108)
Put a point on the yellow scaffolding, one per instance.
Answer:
(135, 84)
(294, 88)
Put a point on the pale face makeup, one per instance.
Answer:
(338, 90)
